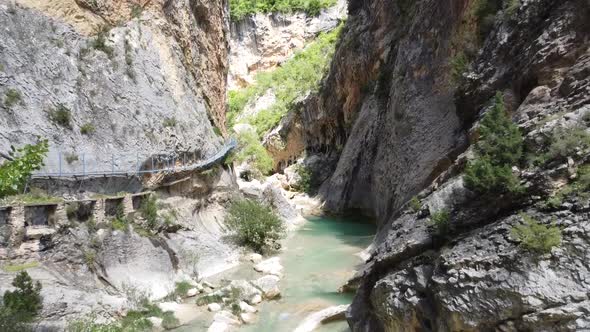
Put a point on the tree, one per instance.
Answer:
(255, 224)
(15, 173)
(25, 301)
(535, 236)
(498, 149)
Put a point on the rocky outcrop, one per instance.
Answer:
(399, 115)
(263, 41)
(153, 83)
(386, 107)
(285, 143)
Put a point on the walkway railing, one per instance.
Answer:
(146, 165)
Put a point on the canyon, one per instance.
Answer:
(386, 122)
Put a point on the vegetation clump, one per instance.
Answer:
(256, 225)
(498, 149)
(87, 129)
(15, 173)
(149, 211)
(566, 142)
(242, 8)
(12, 97)
(250, 150)
(169, 122)
(298, 75)
(415, 204)
(100, 42)
(61, 116)
(441, 221)
(21, 305)
(535, 236)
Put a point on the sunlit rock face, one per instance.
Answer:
(155, 83)
(263, 41)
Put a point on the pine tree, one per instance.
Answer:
(498, 149)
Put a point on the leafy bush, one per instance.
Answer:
(485, 12)
(182, 288)
(25, 301)
(565, 142)
(415, 204)
(306, 182)
(120, 221)
(250, 150)
(299, 74)
(100, 42)
(535, 236)
(61, 116)
(498, 149)
(15, 173)
(12, 97)
(441, 221)
(256, 225)
(87, 129)
(241, 8)
(169, 122)
(149, 211)
(459, 65)
(71, 157)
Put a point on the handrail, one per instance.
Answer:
(170, 166)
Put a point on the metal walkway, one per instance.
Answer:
(160, 165)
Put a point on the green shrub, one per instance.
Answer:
(61, 116)
(485, 12)
(89, 257)
(298, 75)
(305, 183)
(441, 221)
(182, 288)
(15, 173)
(169, 122)
(256, 225)
(12, 97)
(87, 129)
(11, 322)
(25, 301)
(242, 8)
(535, 236)
(71, 157)
(136, 10)
(250, 150)
(565, 143)
(169, 321)
(149, 211)
(20, 267)
(459, 65)
(415, 204)
(120, 221)
(100, 42)
(512, 7)
(498, 149)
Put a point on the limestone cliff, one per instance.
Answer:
(122, 78)
(263, 41)
(399, 110)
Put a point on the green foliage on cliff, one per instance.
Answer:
(250, 150)
(441, 221)
(498, 149)
(241, 8)
(15, 173)
(256, 225)
(298, 75)
(535, 236)
(24, 303)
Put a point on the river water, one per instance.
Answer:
(318, 259)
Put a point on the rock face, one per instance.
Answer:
(263, 41)
(383, 109)
(151, 84)
(399, 117)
